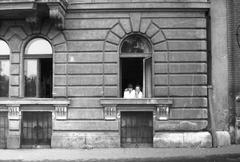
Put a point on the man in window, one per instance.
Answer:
(129, 92)
(138, 93)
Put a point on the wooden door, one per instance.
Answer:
(136, 129)
(3, 129)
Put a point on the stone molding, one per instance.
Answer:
(162, 106)
(61, 112)
(57, 13)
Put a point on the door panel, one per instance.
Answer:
(136, 129)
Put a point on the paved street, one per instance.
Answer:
(226, 154)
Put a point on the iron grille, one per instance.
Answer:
(136, 129)
(36, 128)
(3, 129)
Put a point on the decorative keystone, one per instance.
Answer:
(35, 22)
(162, 112)
(110, 112)
(57, 13)
(60, 112)
(13, 112)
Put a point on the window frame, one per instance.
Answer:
(6, 57)
(36, 57)
(147, 88)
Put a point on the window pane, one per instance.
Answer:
(4, 49)
(4, 78)
(135, 45)
(38, 46)
(30, 72)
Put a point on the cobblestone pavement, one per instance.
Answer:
(229, 154)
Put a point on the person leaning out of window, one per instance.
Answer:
(131, 93)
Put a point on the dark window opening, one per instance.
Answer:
(36, 128)
(132, 72)
(38, 78)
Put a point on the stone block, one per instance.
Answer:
(113, 38)
(185, 139)
(223, 138)
(85, 140)
(185, 34)
(47, 23)
(110, 47)
(103, 140)
(181, 125)
(171, 140)
(15, 69)
(61, 47)
(187, 56)
(92, 91)
(15, 58)
(60, 80)
(86, 34)
(85, 46)
(161, 80)
(161, 68)
(198, 139)
(60, 58)
(85, 103)
(85, 57)
(144, 25)
(111, 57)
(190, 102)
(181, 22)
(110, 80)
(188, 79)
(153, 29)
(85, 125)
(188, 91)
(177, 113)
(60, 69)
(188, 68)
(15, 31)
(15, 44)
(14, 124)
(86, 114)
(110, 91)
(14, 80)
(161, 91)
(90, 23)
(118, 30)
(68, 140)
(187, 45)
(85, 69)
(135, 21)
(162, 46)
(14, 91)
(80, 80)
(53, 33)
(59, 92)
(5, 26)
(157, 37)
(126, 25)
(59, 39)
(13, 140)
(110, 68)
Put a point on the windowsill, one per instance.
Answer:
(34, 101)
(142, 101)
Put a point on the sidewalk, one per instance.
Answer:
(116, 154)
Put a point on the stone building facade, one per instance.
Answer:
(66, 65)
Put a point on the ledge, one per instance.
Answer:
(35, 101)
(142, 5)
(143, 101)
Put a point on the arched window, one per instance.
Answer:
(38, 68)
(4, 69)
(136, 64)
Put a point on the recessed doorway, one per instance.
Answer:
(136, 129)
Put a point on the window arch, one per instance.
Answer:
(38, 68)
(136, 64)
(4, 68)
